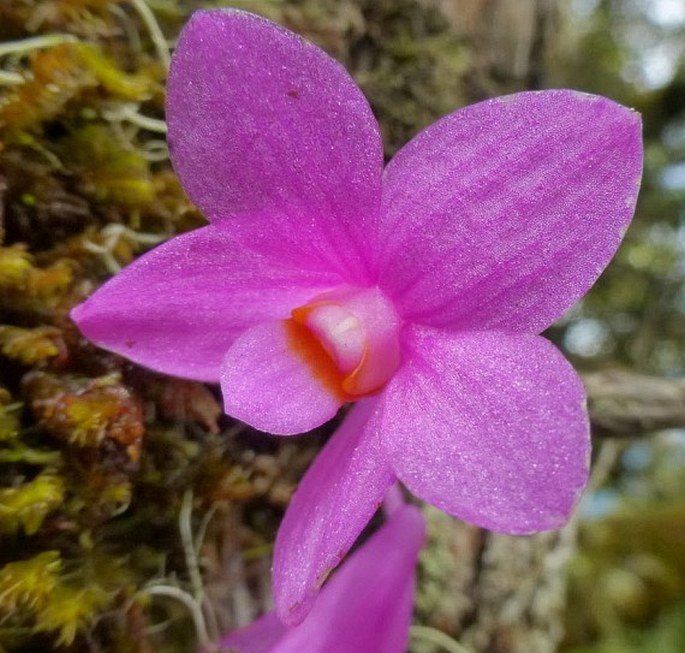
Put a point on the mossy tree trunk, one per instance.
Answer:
(83, 191)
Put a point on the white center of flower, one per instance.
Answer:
(358, 329)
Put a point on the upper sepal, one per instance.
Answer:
(263, 123)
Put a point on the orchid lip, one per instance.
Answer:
(349, 337)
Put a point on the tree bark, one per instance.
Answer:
(625, 404)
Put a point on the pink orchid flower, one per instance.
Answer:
(365, 608)
(417, 291)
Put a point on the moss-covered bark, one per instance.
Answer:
(126, 497)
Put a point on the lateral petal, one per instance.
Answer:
(503, 214)
(490, 427)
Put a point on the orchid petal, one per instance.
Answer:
(503, 214)
(261, 636)
(366, 606)
(490, 427)
(268, 385)
(178, 308)
(333, 503)
(265, 124)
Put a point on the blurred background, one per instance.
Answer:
(132, 512)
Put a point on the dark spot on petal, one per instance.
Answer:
(293, 93)
(323, 576)
(129, 343)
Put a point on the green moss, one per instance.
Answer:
(29, 584)
(31, 346)
(26, 506)
(85, 188)
(9, 417)
(107, 170)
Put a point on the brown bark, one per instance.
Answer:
(493, 593)
(507, 41)
(625, 404)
